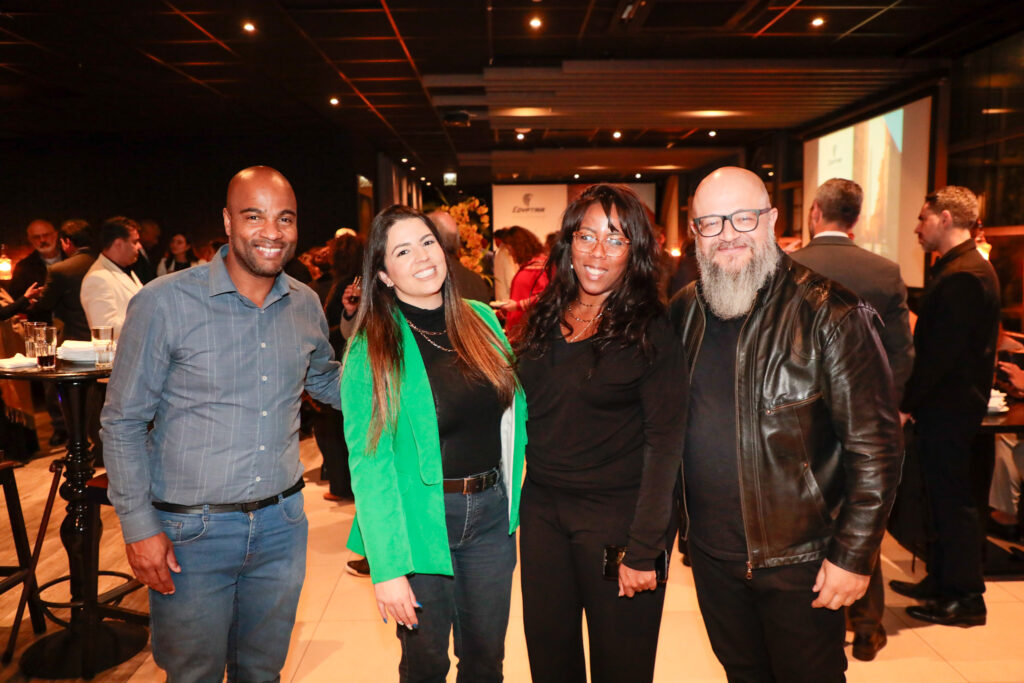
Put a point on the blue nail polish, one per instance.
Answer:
(419, 605)
(416, 626)
(385, 620)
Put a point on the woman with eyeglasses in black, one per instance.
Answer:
(606, 382)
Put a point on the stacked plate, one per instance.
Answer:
(76, 351)
(997, 402)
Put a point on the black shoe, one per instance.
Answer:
(360, 567)
(1006, 532)
(922, 590)
(966, 611)
(867, 645)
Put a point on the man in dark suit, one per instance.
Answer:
(46, 252)
(149, 241)
(834, 213)
(470, 284)
(64, 280)
(955, 342)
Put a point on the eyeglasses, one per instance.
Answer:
(586, 242)
(743, 220)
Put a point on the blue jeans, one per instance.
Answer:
(475, 601)
(234, 601)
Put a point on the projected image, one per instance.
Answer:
(887, 156)
(870, 153)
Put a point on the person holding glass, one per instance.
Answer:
(435, 425)
(606, 381)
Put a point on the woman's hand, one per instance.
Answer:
(632, 581)
(510, 305)
(1014, 373)
(395, 597)
(350, 297)
(33, 292)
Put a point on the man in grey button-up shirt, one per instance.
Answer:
(217, 357)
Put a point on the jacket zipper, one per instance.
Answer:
(792, 404)
(739, 464)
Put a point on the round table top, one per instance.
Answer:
(65, 370)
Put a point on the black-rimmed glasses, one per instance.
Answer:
(743, 220)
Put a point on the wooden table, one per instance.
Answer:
(88, 644)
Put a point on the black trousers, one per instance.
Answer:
(954, 558)
(561, 543)
(865, 615)
(763, 629)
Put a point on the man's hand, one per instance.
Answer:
(837, 587)
(632, 581)
(395, 597)
(151, 558)
(33, 292)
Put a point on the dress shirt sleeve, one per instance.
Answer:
(141, 365)
(859, 395)
(958, 305)
(665, 396)
(323, 378)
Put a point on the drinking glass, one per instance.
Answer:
(31, 332)
(46, 348)
(103, 345)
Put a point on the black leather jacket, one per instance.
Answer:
(818, 440)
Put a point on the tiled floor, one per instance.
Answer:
(339, 635)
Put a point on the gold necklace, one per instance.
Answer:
(426, 337)
(586, 326)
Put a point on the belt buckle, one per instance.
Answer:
(250, 507)
(465, 485)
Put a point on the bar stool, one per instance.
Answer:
(23, 573)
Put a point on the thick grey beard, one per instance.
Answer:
(731, 295)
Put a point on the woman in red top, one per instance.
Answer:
(529, 281)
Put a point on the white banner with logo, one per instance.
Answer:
(538, 208)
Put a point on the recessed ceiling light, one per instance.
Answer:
(248, 27)
(712, 133)
(422, 178)
(535, 22)
(576, 176)
(520, 136)
(637, 176)
(335, 101)
(617, 134)
(412, 168)
(405, 160)
(817, 21)
(771, 174)
(997, 110)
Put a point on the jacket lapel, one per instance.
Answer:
(417, 407)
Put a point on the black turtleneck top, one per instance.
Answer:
(468, 410)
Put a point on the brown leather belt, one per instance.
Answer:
(474, 484)
(229, 507)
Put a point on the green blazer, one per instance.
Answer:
(400, 521)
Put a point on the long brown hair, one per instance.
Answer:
(481, 354)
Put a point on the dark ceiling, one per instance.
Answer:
(663, 72)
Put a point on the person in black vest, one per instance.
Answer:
(955, 342)
(834, 213)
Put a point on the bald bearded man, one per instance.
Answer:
(210, 501)
(793, 442)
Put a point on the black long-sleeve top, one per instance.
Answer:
(468, 410)
(616, 425)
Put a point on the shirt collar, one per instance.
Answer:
(959, 250)
(221, 283)
(832, 233)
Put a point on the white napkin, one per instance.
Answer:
(74, 350)
(17, 361)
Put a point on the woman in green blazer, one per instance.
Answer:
(435, 424)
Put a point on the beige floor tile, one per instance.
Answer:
(367, 651)
(906, 657)
(302, 634)
(1014, 588)
(684, 652)
(983, 653)
(316, 592)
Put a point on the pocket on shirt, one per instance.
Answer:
(183, 529)
(293, 509)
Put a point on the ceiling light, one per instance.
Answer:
(617, 134)
(248, 27)
(535, 22)
(997, 110)
(405, 160)
(412, 168)
(576, 176)
(335, 101)
(817, 21)
(712, 133)
(422, 178)
(450, 178)
(676, 251)
(428, 183)
(771, 174)
(711, 113)
(637, 176)
(520, 136)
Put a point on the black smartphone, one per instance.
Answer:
(613, 555)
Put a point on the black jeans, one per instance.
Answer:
(865, 615)
(763, 629)
(561, 540)
(954, 559)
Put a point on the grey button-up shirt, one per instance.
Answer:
(221, 379)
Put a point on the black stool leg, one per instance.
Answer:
(30, 581)
(21, 546)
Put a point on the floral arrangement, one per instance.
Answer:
(471, 215)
